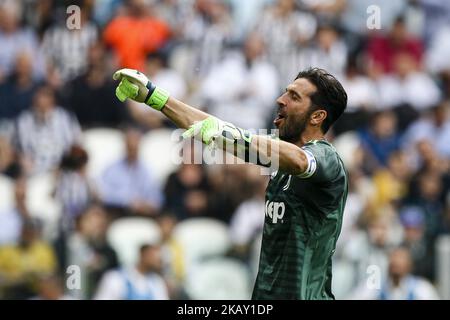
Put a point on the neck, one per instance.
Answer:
(140, 268)
(23, 81)
(308, 135)
(396, 280)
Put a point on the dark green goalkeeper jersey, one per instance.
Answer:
(303, 218)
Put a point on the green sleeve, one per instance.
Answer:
(327, 164)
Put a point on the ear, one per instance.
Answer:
(317, 117)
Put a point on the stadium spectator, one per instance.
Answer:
(9, 160)
(127, 186)
(247, 222)
(438, 49)
(51, 288)
(45, 132)
(74, 190)
(400, 284)
(360, 191)
(428, 193)
(66, 49)
(252, 86)
(325, 9)
(15, 40)
(205, 35)
(17, 91)
(285, 29)
(230, 186)
(135, 34)
(186, 191)
(159, 70)
(172, 256)
(380, 140)
(90, 96)
(22, 263)
(371, 246)
(433, 127)
(39, 15)
(177, 13)
(391, 182)
(437, 16)
(89, 249)
(410, 91)
(327, 50)
(422, 255)
(141, 282)
(12, 219)
(104, 11)
(362, 98)
(245, 15)
(382, 50)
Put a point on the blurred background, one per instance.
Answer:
(91, 205)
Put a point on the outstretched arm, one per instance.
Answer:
(261, 150)
(182, 114)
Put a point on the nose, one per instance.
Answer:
(281, 101)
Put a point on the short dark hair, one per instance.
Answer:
(146, 246)
(330, 95)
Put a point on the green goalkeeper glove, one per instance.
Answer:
(136, 86)
(214, 131)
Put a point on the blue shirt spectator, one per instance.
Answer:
(381, 139)
(16, 93)
(127, 184)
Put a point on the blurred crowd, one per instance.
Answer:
(230, 58)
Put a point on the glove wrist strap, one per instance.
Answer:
(156, 97)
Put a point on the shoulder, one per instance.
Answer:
(62, 114)
(321, 150)
(324, 160)
(425, 290)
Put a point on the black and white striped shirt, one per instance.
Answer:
(44, 141)
(68, 49)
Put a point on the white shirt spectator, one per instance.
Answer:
(245, 14)
(247, 221)
(334, 60)
(22, 40)
(425, 130)
(243, 95)
(11, 222)
(410, 288)
(129, 284)
(171, 81)
(439, 51)
(361, 92)
(417, 89)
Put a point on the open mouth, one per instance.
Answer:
(279, 119)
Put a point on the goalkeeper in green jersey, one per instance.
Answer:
(305, 197)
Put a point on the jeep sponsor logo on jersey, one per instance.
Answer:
(275, 210)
